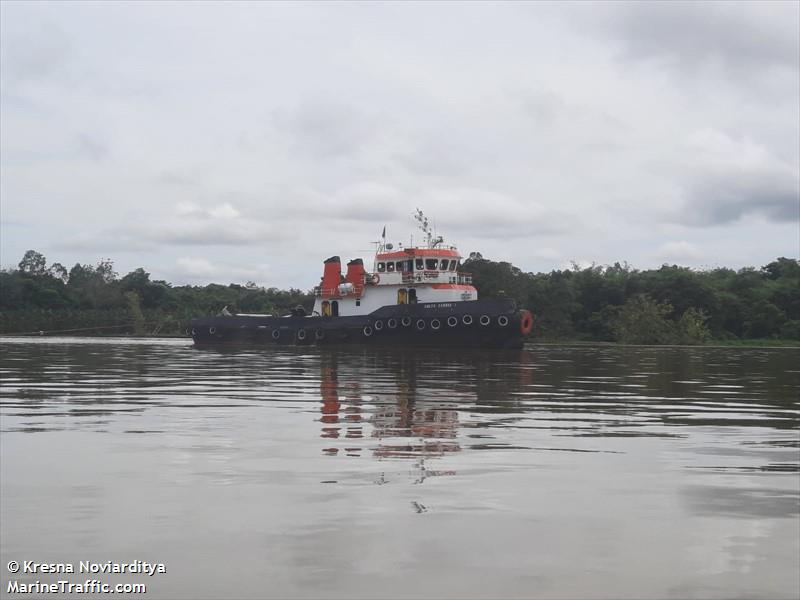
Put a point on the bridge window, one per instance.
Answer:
(443, 264)
(400, 265)
(431, 264)
(453, 265)
(381, 267)
(420, 265)
(390, 267)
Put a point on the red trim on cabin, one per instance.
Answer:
(408, 252)
(452, 286)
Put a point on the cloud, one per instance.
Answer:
(678, 251)
(90, 146)
(188, 225)
(736, 35)
(725, 179)
(224, 211)
(325, 128)
(222, 224)
(35, 51)
(486, 213)
(201, 269)
(530, 132)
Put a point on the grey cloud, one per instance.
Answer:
(544, 107)
(503, 128)
(438, 158)
(725, 178)
(361, 201)
(325, 128)
(174, 178)
(90, 146)
(104, 241)
(222, 225)
(218, 226)
(36, 52)
(724, 197)
(737, 35)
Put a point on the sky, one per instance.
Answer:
(234, 142)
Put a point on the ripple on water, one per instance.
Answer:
(539, 460)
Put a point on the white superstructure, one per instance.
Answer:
(403, 276)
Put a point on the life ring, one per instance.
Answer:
(466, 319)
(526, 322)
(319, 334)
(212, 330)
(435, 324)
(301, 334)
(406, 321)
(367, 331)
(276, 334)
(420, 324)
(376, 279)
(378, 325)
(392, 323)
(452, 321)
(485, 320)
(502, 320)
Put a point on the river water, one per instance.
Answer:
(553, 472)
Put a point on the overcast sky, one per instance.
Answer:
(231, 142)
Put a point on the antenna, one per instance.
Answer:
(422, 223)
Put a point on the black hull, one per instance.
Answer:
(478, 324)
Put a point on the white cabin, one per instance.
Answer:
(404, 276)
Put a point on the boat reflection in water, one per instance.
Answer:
(412, 412)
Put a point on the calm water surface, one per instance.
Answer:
(554, 472)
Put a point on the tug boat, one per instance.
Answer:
(413, 296)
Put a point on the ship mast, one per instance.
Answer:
(431, 241)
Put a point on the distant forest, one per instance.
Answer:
(599, 303)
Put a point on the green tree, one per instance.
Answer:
(692, 328)
(33, 263)
(135, 310)
(642, 320)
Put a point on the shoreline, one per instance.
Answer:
(776, 344)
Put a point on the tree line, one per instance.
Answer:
(93, 299)
(671, 304)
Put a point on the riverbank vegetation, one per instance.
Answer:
(669, 305)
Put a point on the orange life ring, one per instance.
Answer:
(526, 322)
(376, 279)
